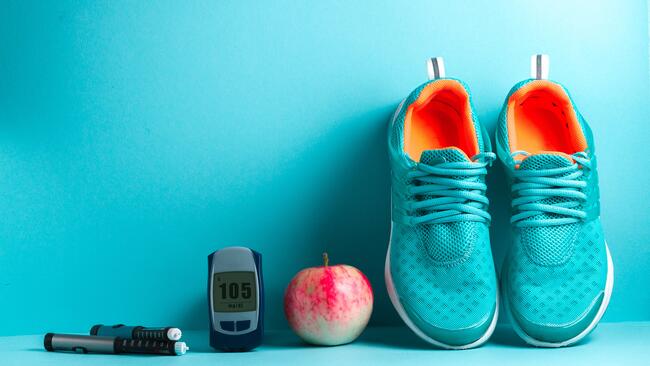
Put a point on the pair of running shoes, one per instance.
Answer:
(557, 277)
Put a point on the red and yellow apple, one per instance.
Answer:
(328, 305)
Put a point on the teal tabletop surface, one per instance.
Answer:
(611, 343)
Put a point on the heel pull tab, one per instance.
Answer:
(539, 65)
(435, 68)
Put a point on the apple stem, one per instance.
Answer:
(326, 259)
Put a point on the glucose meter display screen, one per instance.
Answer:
(234, 291)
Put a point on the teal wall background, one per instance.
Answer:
(138, 137)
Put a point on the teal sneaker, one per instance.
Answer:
(439, 270)
(558, 276)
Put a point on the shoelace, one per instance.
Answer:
(450, 196)
(533, 186)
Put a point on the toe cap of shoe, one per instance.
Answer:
(545, 332)
(451, 334)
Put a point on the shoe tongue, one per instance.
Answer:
(546, 161)
(451, 154)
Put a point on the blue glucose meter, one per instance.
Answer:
(235, 299)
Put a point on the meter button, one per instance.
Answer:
(243, 325)
(228, 326)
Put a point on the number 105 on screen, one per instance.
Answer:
(234, 291)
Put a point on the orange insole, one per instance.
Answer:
(440, 118)
(542, 119)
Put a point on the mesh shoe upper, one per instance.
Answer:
(443, 273)
(554, 275)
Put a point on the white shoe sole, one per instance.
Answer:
(609, 286)
(394, 298)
